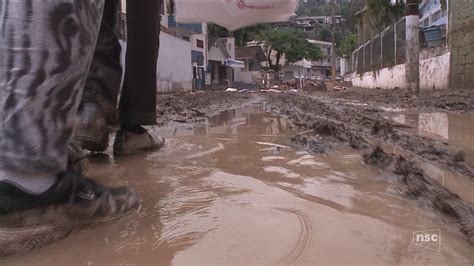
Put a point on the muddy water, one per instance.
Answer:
(457, 131)
(233, 191)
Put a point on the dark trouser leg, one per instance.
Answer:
(105, 73)
(45, 52)
(138, 98)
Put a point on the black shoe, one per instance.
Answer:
(73, 197)
(74, 202)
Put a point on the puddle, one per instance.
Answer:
(233, 191)
(454, 129)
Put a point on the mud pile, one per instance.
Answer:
(186, 108)
(362, 129)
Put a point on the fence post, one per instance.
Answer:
(381, 49)
(371, 53)
(363, 57)
(395, 28)
(412, 51)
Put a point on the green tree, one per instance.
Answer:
(348, 45)
(217, 31)
(242, 36)
(290, 44)
(322, 33)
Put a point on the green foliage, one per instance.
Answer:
(291, 44)
(348, 45)
(444, 4)
(248, 34)
(217, 31)
(383, 13)
(322, 33)
(344, 32)
(241, 36)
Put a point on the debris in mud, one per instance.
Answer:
(378, 157)
(313, 142)
(339, 88)
(315, 86)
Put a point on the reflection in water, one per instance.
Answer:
(456, 130)
(233, 191)
(453, 129)
(433, 125)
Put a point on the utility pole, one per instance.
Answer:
(412, 55)
(333, 35)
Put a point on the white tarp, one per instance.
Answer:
(234, 14)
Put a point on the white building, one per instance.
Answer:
(432, 13)
(221, 58)
(183, 53)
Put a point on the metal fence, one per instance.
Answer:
(388, 48)
(383, 50)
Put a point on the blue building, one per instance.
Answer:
(433, 13)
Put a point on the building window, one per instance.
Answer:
(329, 50)
(199, 43)
(436, 15)
(425, 22)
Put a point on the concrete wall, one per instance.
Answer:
(461, 35)
(216, 54)
(434, 73)
(250, 77)
(174, 71)
(296, 71)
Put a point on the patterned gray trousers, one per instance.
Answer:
(46, 48)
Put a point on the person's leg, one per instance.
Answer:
(45, 53)
(97, 110)
(138, 97)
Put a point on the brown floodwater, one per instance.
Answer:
(232, 190)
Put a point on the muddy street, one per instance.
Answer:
(256, 179)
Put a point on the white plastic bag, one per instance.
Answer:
(234, 14)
